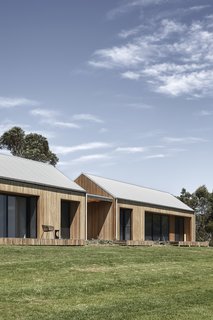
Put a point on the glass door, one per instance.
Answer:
(65, 219)
(125, 224)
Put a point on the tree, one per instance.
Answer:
(201, 201)
(30, 146)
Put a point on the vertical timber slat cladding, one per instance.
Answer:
(49, 205)
(90, 186)
(187, 231)
(100, 220)
(138, 220)
(121, 194)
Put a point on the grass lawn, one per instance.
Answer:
(106, 283)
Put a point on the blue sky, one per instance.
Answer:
(121, 89)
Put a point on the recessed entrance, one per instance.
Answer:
(125, 224)
(69, 219)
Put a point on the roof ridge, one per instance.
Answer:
(132, 184)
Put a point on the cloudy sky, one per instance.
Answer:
(121, 89)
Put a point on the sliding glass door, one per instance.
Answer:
(3, 216)
(18, 216)
(156, 227)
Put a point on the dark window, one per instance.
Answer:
(125, 224)
(18, 216)
(65, 219)
(164, 228)
(179, 229)
(148, 226)
(156, 227)
(31, 217)
(3, 216)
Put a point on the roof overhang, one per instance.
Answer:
(42, 185)
(97, 198)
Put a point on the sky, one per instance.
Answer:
(121, 89)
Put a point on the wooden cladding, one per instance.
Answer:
(138, 221)
(49, 206)
(100, 220)
(91, 187)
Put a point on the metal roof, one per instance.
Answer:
(126, 191)
(30, 171)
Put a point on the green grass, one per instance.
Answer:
(106, 283)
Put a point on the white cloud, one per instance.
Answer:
(48, 116)
(81, 147)
(87, 117)
(62, 124)
(133, 4)
(186, 83)
(156, 156)
(139, 105)
(92, 157)
(187, 140)
(7, 103)
(130, 149)
(174, 58)
(204, 113)
(131, 75)
(43, 113)
(127, 33)
(198, 8)
(124, 56)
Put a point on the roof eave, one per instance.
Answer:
(157, 205)
(43, 184)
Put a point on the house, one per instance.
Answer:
(38, 205)
(35, 197)
(122, 211)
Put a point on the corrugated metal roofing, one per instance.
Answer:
(25, 170)
(122, 190)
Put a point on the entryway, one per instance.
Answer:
(125, 224)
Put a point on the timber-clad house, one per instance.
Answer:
(38, 203)
(122, 211)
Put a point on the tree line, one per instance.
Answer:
(201, 201)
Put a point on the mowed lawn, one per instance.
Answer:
(106, 282)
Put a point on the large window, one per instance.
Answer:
(156, 227)
(18, 216)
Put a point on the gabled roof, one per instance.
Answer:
(30, 171)
(126, 191)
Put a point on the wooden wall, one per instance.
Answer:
(138, 220)
(49, 205)
(100, 220)
(91, 187)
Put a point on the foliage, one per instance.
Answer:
(201, 201)
(31, 146)
(106, 282)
